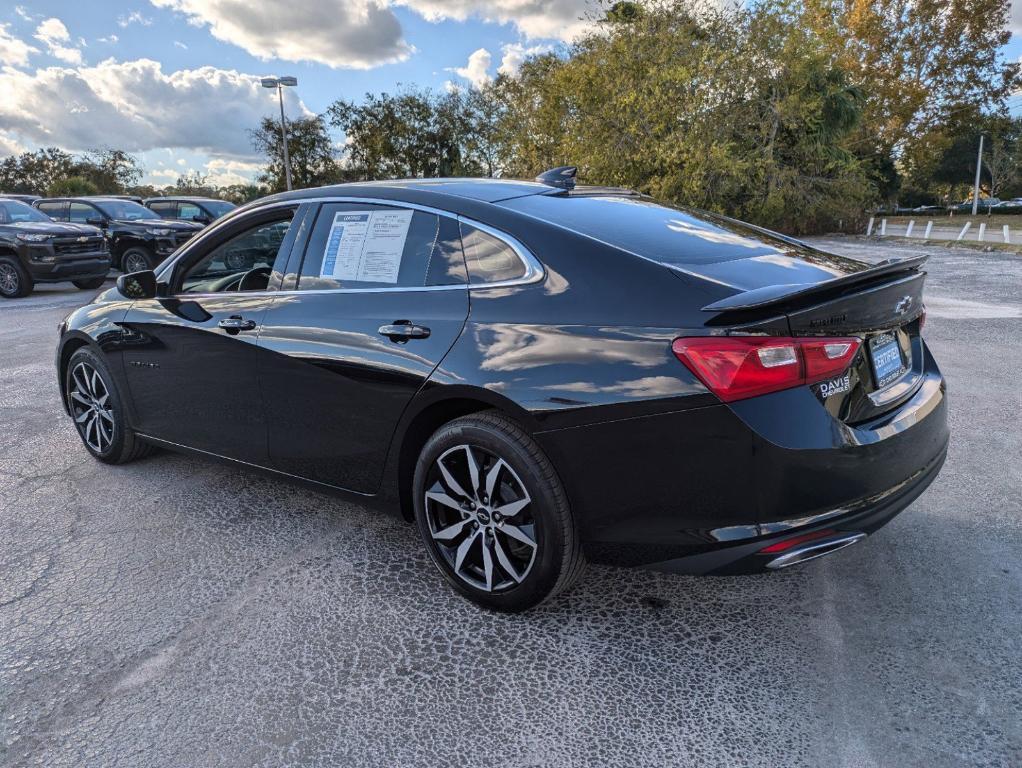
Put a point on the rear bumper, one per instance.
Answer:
(702, 491)
(865, 517)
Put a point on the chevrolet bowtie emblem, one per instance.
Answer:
(904, 305)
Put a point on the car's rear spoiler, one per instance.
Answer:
(771, 295)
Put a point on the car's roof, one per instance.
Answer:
(482, 190)
(178, 198)
(89, 199)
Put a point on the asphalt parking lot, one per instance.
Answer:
(173, 612)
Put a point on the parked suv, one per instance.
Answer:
(36, 249)
(204, 210)
(138, 238)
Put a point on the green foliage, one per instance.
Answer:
(106, 171)
(735, 110)
(311, 150)
(418, 133)
(72, 186)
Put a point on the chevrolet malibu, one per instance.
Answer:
(536, 374)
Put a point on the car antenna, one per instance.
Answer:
(562, 177)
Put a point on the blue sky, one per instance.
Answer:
(175, 81)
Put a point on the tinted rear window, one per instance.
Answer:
(657, 231)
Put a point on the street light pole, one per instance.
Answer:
(279, 83)
(979, 166)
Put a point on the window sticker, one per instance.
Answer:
(366, 246)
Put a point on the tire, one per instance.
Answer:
(90, 284)
(98, 410)
(133, 259)
(15, 281)
(463, 528)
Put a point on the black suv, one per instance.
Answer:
(204, 210)
(139, 239)
(36, 249)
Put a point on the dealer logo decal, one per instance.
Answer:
(836, 386)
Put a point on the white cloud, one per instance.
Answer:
(111, 39)
(135, 17)
(53, 34)
(515, 55)
(222, 172)
(559, 19)
(9, 146)
(179, 44)
(22, 12)
(476, 71)
(13, 51)
(357, 34)
(135, 106)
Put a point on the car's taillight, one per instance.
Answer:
(738, 367)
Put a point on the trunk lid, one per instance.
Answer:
(881, 305)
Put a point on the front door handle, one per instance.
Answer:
(403, 330)
(236, 323)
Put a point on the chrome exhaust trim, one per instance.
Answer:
(814, 549)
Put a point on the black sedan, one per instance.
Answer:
(536, 374)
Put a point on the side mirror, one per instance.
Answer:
(202, 219)
(138, 285)
(96, 221)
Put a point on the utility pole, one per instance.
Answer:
(279, 83)
(979, 167)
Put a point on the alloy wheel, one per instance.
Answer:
(135, 262)
(90, 406)
(9, 281)
(480, 518)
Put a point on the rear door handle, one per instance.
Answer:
(236, 323)
(403, 330)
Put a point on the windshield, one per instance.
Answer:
(124, 209)
(219, 207)
(13, 211)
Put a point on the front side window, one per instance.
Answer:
(82, 212)
(188, 211)
(488, 258)
(244, 262)
(358, 246)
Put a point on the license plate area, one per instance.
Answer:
(886, 359)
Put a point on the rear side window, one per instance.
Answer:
(54, 210)
(488, 258)
(354, 246)
(165, 209)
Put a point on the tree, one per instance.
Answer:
(34, 172)
(418, 133)
(917, 62)
(311, 150)
(736, 110)
(72, 186)
(111, 171)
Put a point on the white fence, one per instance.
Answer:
(940, 230)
